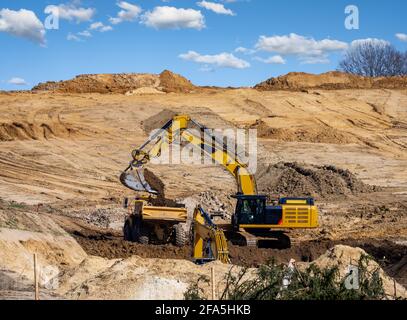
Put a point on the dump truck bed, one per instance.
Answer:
(164, 213)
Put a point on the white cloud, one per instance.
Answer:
(174, 18)
(99, 26)
(244, 50)
(71, 12)
(272, 60)
(215, 7)
(17, 81)
(369, 40)
(23, 23)
(317, 59)
(72, 37)
(308, 50)
(224, 60)
(401, 36)
(129, 12)
(85, 33)
(296, 44)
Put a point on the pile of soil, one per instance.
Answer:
(119, 83)
(299, 180)
(334, 80)
(160, 200)
(157, 121)
(316, 134)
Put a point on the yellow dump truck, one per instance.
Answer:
(158, 225)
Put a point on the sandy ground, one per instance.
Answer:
(61, 155)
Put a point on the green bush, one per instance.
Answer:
(312, 284)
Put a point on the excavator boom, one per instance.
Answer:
(176, 131)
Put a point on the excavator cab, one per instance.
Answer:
(252, 212)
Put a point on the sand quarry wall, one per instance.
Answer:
(24, 233)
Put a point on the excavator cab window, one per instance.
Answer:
(250, 209)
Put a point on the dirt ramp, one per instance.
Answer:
(294, 179)
(334, 80)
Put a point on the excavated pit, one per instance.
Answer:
(110, 245)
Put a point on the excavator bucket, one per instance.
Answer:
(136, 181)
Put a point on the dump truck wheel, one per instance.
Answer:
(127, 234)
(181, 238)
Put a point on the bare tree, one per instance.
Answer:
(374, 59)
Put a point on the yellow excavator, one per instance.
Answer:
(253, 222)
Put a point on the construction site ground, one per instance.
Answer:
(61, 155)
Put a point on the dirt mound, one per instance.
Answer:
(316, 134)
(157, 121)
(119, 83)
(172, 82)
(331, 81)
(294, 179)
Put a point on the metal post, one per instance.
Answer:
(37, 295)
(213, 281)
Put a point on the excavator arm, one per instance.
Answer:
(209, 240)
(177, 130)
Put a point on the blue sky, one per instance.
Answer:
(216, 42)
